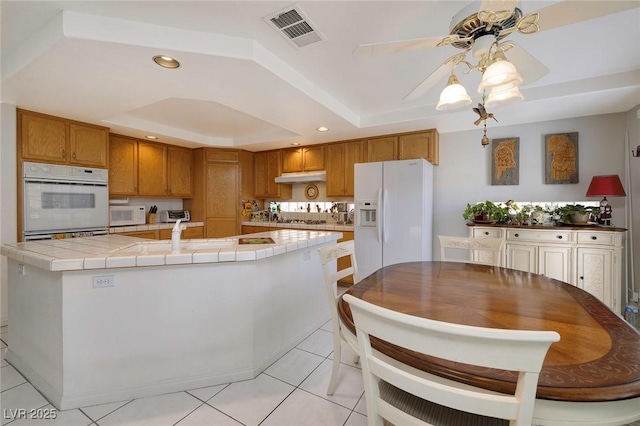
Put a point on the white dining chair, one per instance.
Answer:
(328, 256)
(403, 395)
(478, 249)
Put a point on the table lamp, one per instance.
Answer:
(605, 186)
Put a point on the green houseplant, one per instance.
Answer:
(574, 213)
(486, 211)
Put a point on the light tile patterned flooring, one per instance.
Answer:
(292, 391)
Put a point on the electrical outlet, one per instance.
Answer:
(634, 297)
(103, 281)
(21, 269)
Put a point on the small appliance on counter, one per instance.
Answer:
(170, 216)
(126, 215)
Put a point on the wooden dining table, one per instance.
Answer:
(591, 376)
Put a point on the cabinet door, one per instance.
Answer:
(222, 200)
(180, 177)
(418, 145)
(42, 138)
(555, 262)
(521, 257)
(292, 160)
(595, 274)
(382, 149)
(88, 145)
(274, 169)
(152, 169)
(123, 166)
(336, 170)
(313, 158)
(260, 175)
(353, 153)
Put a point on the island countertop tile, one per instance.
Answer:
(119, 251)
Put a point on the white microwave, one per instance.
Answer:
(127, 215)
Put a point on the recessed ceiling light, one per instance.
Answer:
(322, 129)
(295, 143)
(151, 137)
(166, 61)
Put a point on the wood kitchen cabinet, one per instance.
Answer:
(345, 262)
(153, 178)
(49, 139)
(405, 146)
(268, 166)
(123, 165)
(303, 159)
(141, 168)
(340, 161)
(222, 177)
(590, 259)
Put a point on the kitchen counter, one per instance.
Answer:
(329, 226)
(83, 311)
(119, 251)
(150, 227)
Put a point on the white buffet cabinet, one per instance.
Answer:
(589, 257)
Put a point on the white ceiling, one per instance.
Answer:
(241, 84)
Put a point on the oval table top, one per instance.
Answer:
(596, 359)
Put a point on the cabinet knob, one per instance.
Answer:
(73, 155)
(582, 278)
(559, 237)
(516, 235)
(486, 232)
(64, 153)
(594, 238)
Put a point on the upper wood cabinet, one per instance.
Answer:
(152, 169)
(180, 165)
(123, 165)
(340, 161)
(142, 168)
(268, 166)
(57, 140)
(304, 159)
(404, 146)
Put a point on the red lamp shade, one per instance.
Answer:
(606, 186)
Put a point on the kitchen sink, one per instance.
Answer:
(147, 247)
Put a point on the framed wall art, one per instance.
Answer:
(505, 161)
(561, 158)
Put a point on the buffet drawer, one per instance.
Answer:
(550, 236)
(479, 232)
(599, 238)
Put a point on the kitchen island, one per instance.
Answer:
(102, 319)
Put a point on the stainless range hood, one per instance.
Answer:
(302, 177)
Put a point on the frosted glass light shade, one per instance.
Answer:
(453, 96)
(499, 73)
(503, 95)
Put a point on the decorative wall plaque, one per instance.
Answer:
(505, 162)
(561, 158)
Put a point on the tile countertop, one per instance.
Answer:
(119, 251)
(322, 226)
(150, 227)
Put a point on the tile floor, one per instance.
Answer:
(292, 391)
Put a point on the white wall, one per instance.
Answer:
(464, 175)
(8, 195)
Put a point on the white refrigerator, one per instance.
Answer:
(394, 213)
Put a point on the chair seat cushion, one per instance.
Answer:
(433, 413)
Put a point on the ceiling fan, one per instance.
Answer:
(482, 28)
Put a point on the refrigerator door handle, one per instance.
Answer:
(385, 210)
(378, 214)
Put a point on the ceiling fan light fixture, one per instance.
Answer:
(453, 96)
(499, 73)
(510, 94)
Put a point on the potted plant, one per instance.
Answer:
(484, 212)
(541, 216)
(575, 213)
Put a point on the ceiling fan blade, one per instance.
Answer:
(529, 67)
(572, 12)
(439, 74)
(365, 50)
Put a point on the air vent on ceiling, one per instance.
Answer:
(294, 26)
